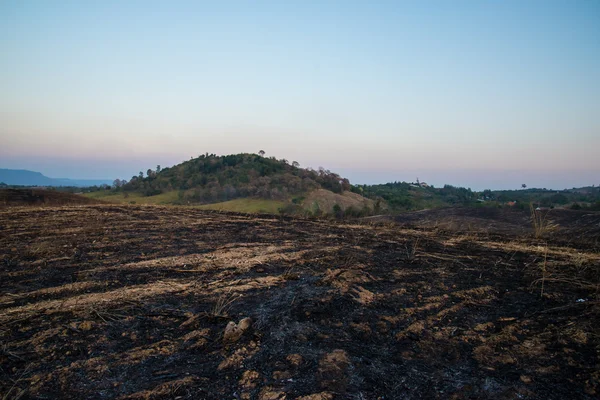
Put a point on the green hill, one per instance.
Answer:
(241, 182)
(212, 178)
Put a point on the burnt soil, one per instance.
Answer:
(41, 197)
(574, 226)
(132, 302)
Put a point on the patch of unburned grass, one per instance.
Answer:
(134, 198)
(246, 205)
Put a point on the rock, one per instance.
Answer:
(233, 332)
(245, 324)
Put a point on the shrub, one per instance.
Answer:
(290, 209)
(337, 211)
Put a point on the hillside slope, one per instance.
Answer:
(212, 178)
(221, 182)
(325, 201)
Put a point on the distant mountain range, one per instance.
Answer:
(24, 177)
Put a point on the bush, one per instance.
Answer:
(290, 209)
(337, 211)
(352, 212)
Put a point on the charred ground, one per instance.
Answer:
(573, 227)
(132, 302)
(41, 197)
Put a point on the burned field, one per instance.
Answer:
(128, 302)
(41, 197)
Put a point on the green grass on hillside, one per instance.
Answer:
(163, 198)
(246, 205)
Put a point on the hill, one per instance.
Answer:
(22, 177)
(218, 182)
(212, 178)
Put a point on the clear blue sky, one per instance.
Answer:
(475, 93)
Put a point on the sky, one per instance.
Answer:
(481, 94)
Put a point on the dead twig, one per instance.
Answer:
(109, 316)
(572, 305)
(411, 251)
(19, 393)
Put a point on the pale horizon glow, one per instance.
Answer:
(480, 94)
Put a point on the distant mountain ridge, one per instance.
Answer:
(23, 177)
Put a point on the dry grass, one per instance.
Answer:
(411, 249)
(557, 271)
(541, 224)
(290, 275)
(327, 199)
(544, 270)
(223, 305)
(15, 393)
